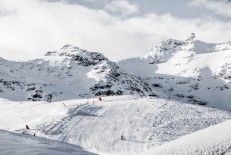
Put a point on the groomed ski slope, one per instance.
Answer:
(97, 126)
(11, 143)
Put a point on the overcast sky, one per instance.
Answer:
(117, 28)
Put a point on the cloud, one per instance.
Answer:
(123, 7)
(38, 26)
(220, 7)
(5, 11)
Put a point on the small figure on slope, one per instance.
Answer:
(122, 137)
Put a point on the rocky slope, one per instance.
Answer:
(66, 74)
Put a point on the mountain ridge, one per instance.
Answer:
(67, 74)
(187, 70)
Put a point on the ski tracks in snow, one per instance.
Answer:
(101, 129)
(144, 122)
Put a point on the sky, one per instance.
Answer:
(117, 28)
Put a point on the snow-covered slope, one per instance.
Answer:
(66, 74)
(213, 140)
(190, 71)
(98, 126)
(12, 143)
(173, 74)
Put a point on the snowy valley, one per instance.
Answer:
(168, 102)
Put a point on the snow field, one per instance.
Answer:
(98, 126)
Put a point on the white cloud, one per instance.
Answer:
(220, 7)
(38, 26)
(121, 7)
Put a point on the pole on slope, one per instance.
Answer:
(27, 126)
(24, 120)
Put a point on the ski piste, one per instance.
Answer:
(97, 126)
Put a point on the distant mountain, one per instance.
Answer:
(189, 70)
(66, 74)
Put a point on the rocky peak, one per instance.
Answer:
(75, 54)
(166, 49)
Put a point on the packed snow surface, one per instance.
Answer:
(12, 143)
(98, 126)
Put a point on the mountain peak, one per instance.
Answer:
(191, 37)
(75, 54)
(166, 49)
(66, 50)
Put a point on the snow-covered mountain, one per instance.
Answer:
(66, 74)
(189, 70)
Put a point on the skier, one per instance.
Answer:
(100, 99)
(122, 137)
